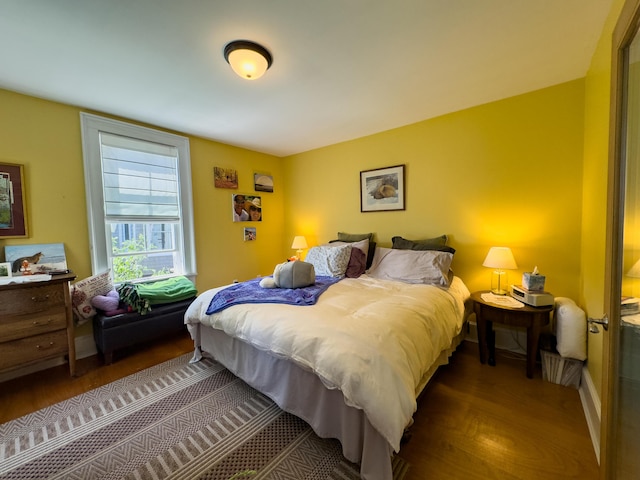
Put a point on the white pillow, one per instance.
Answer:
(361, 245)
(85, 290)
(412, 266)
(571, 329)
(329, 261)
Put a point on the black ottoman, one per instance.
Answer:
(127, 329)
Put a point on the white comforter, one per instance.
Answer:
(373, 339)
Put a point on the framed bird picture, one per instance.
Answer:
(382, 189)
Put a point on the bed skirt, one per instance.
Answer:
(300, 392)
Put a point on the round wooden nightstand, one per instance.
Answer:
(532, 318)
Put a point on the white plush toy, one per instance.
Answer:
(290, 275)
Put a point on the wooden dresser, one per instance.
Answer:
(36, 323)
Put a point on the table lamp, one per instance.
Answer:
(299, 243)
(634, 271)
(500, 259)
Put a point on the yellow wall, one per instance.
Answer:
(594, 201)
(45, 137)
(506, 173)
(527, 172)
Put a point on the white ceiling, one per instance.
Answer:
(342, 69)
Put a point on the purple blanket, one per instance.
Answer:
(251, 292)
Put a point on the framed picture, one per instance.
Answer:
(13, 212)
(382, 189)
(262, 183)
(249, 234)
(5, 269)
(246, 208)
(35, 258)
(225, 177)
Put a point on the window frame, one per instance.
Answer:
(99, 241)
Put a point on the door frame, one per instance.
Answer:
(623, 34)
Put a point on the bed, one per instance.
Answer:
(352, 364)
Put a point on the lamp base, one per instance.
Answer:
(499, 282)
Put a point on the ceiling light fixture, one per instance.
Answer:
(248, 59)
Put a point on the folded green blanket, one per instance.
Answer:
(142, 296)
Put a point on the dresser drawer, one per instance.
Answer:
(18, 326)
(31, 349)
(31, 299)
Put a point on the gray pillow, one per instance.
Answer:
(354, 237)
(437, 243)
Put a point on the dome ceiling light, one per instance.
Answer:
(248, 59)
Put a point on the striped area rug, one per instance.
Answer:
(172, 421)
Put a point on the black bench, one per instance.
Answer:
(128, 329)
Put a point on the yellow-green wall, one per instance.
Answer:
(527, 172)
(594, 200)
(505, 173)
(45, 137)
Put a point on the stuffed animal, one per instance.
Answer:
(290, 275)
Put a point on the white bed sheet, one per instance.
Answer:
(372, 339)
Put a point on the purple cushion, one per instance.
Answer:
(106, 302)
(357, 263)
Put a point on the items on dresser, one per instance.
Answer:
(36, 322)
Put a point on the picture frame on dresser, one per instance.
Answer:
(382, 189)
(39, 258)
(5, 269)
(13, 211)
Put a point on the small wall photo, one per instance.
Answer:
(249, 234)
(246, 208)
(225, 177)
(262, 183)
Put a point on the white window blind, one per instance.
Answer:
(140, 179)
(138, 184)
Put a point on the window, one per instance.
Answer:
(138, 183)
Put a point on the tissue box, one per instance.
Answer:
(533, 282)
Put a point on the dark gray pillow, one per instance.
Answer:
(354, 237)
(437, 243)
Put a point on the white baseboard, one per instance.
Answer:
(592, 408)
(85, 347)
(511, 339)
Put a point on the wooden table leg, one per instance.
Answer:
(533, 337)
(491, 344)
(481, 326)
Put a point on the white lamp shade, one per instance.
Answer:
(501, 258)
(247, 63)
(635, 270)
(299, 243)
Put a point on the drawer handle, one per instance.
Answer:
(40, 299)
(45, 347)
(42, 324)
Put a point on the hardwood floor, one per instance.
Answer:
(473, 421)
(480, 422)
(32, 392)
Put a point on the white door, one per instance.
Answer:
(620, 438)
